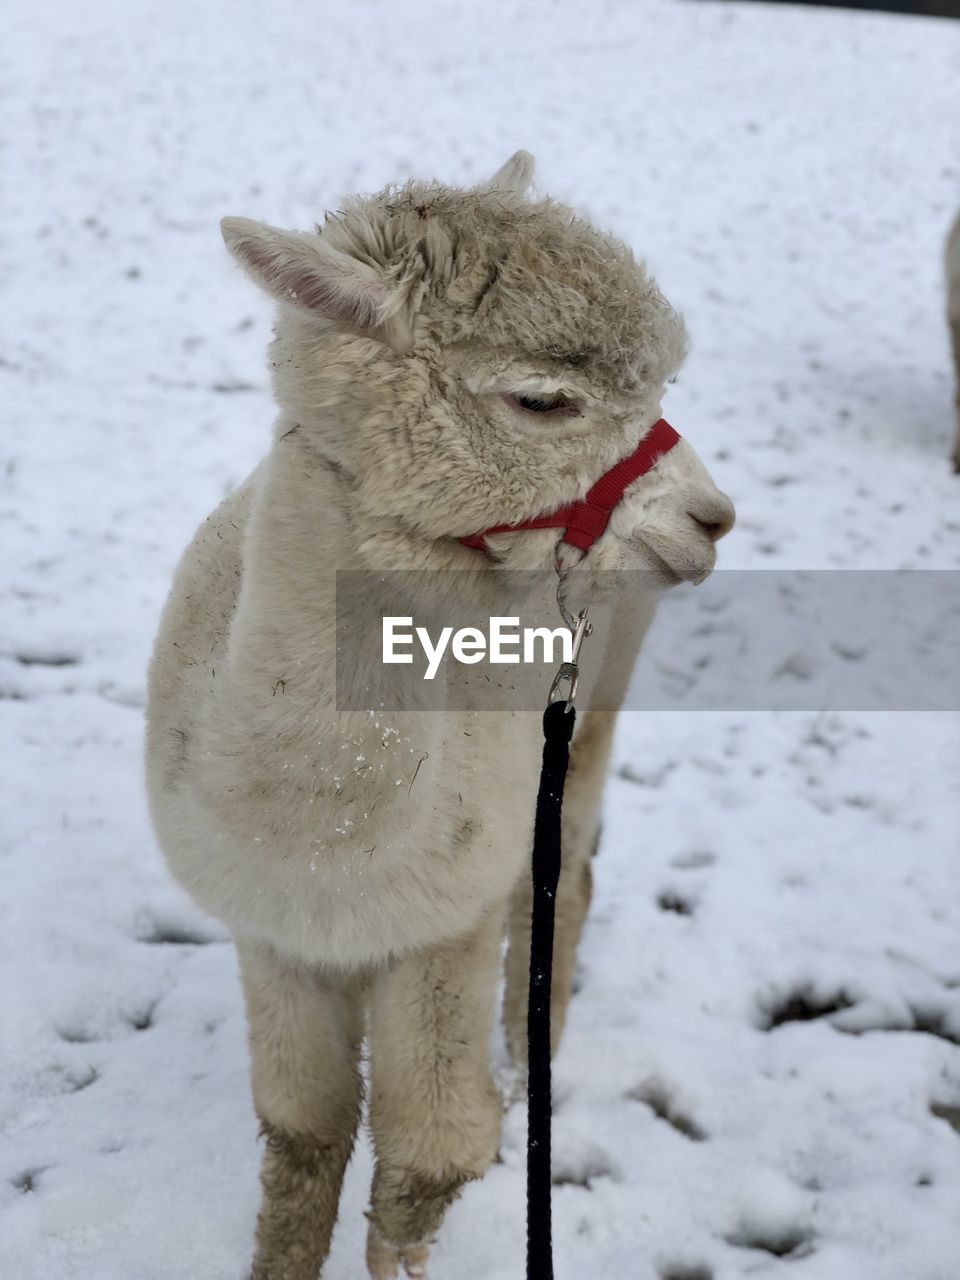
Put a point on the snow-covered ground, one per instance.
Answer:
(761, 1075)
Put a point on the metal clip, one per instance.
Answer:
(568, 618)
(569, 672)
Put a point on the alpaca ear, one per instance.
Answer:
(298, 268)
(516, 175)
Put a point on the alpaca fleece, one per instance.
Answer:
(367, 864)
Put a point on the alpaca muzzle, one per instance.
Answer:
(583, 522)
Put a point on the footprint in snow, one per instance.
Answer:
(678, 903)
(801, 1004)
(38, 657)
(160, 931)
(139, 1018)
(578, 1162)
(655, 1095)
(694, 860)
(949, 1111)
(789, 1243)
(26, 1181)
(940, 1018)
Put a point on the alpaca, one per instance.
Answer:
(953, 314)
(444, 361)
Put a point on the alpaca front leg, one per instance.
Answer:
(583, 791)
(305, 1036)
(434, 1111)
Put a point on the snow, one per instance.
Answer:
(761, 1074)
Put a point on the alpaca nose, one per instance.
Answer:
(715, 516)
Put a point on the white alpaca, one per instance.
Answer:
(953, 315)
(444, 361)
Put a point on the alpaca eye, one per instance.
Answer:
(540, 404)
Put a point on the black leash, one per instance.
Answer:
(558, 722)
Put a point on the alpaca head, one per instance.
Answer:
(475, 357)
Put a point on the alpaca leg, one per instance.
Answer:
(580, 831)
(434, 1111)
(305, 1037)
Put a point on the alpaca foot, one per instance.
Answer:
(384, 1260)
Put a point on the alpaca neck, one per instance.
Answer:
(306, 528)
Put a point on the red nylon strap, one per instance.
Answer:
(583, 522)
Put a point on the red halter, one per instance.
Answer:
(583, 522)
